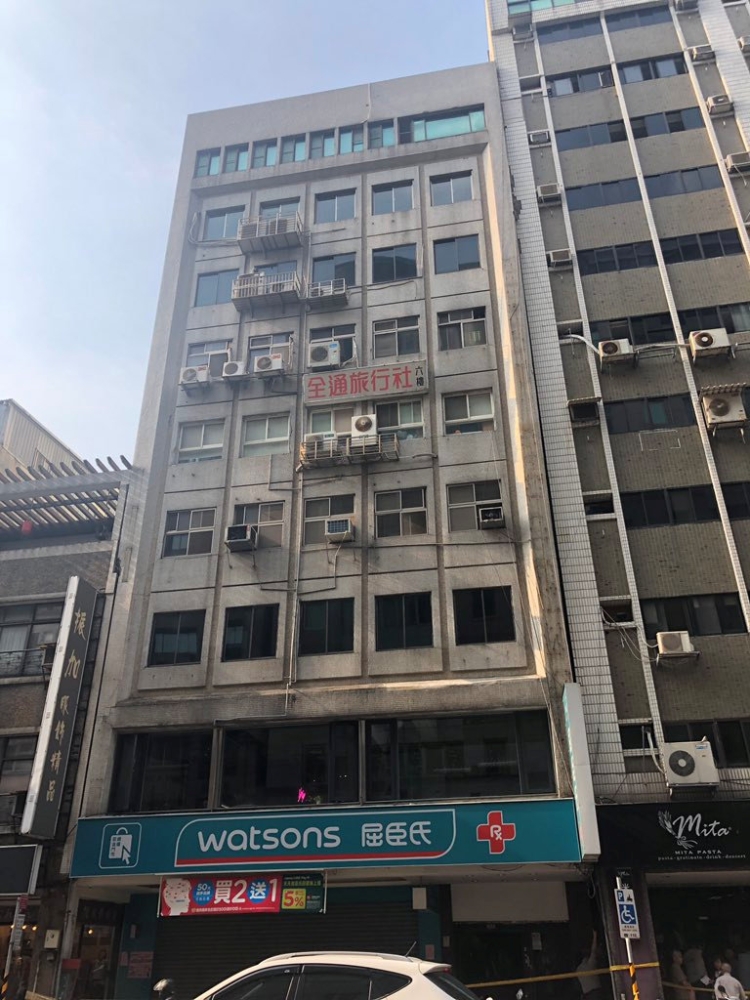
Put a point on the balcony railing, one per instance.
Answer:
(24, 662)
(276, 233)
(346, 450)
(251, 289)
(327, 293)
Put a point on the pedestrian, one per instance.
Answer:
(727, 987)
(681, 986)
(695, 966)
(591, 985)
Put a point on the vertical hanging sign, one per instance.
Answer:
(56, 733)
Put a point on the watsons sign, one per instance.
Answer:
(319, 838)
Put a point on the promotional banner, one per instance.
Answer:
(512, 832)
(258, 893)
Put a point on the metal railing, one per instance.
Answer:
(252, 286)
(20, 662)
(326, 289)
(278, 225)
(344, 448)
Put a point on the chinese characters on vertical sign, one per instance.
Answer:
(56, 733)
(354, 384)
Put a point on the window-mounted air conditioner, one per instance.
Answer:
(744, 43)
(719, 105)
(549, 194)
(365, 425)
(492, 517)
(324, 355)
(702, 53)
(339, 529)
(690, 764)
(241, 537)
(268, 364)
(738, 161)
(540, 137)
(316, 436)
(705, 343)
(196, 377)
(234, 370)
(675, 644)
(724, 409)
(558, 260)
(614, 351)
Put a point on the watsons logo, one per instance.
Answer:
(271, 839)
(683, 828)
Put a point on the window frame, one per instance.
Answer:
(248, 643)
(393, 255)
(381, 134)
(224, 281)
(249, 449)
(268, 536)
(322, 144)
(458, 423)
(412, 605)
(35, 658)
(331, 632)
(338, 262)
(461, 621)
(392, 188)
(345, 334)
(404, 428)
(190, 533)
(235, 154)
(291, 144)
(458, 247)
(189, 450)
(265, 153)
(412, 517)
(198, 625)
(446, 320)
(212, 157)
(401, 328)
(339, 505)
(476, 504)
(348, 199)
(227, 213)
(440, 180)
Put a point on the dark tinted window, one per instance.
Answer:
(403, 621)
(176, 637)
(394, 263)
(596, 195)
(213, 289)
(341, 265)
(737, 499)
(450, 985)
(459, 254)
(345, 983)
(250, 633)
(326, 626)
(566, 31)
(271, 985)
(639, 18)
(483, 615)
(161, 772)
(656, 413)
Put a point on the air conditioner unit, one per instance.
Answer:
(559, 259)
(268, 364)
(241, 537)
(365, 425)
(492, 517)
(324, 355)
(313, 438)
(705, 343)
(687, 764)
(744, 43)
(674, 644)
(613, 351)
(702, 53)
(194, 377)
(549, 194)
(719, 105)
(339, 529)
(539, 138)
(683, 5)
(234, 370)
(738, 161)
(724, 409)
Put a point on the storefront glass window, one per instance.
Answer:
(158, 773)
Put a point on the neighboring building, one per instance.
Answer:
(627, 126)
(338, 644)
(58, 561)
(24, 441)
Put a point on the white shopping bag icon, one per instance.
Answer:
(121, 845)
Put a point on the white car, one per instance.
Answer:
(341, 975)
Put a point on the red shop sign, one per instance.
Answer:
(190, 896)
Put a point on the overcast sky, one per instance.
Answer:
(93, 100)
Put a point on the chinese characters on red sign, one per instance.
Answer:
(365, 383)
(199, 895)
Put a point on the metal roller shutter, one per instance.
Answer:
(199, 951)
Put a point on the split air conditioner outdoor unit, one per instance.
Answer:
(674, 644)
(268, 364)
(719, 105)
(690, 764)
(702, 53)
(724, 409)
(549, 194)
(365, 425)
(738, 161)
(241, 537)
(492, 517)
(339, 529)
(194, 378)
(558, 260)
(706, 343)
(234, 370)
(324, 355)
(614, 351)
(744, 43)
(539, 138)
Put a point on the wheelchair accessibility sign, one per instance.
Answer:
(121, 845)
(627, 914)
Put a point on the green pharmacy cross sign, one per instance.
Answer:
(316, 839)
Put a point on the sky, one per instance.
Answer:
(93, 100)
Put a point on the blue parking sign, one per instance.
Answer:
(627, 914)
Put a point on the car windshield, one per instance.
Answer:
(450, 985)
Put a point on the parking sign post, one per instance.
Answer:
(627, 917)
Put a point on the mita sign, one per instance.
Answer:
(477, 833)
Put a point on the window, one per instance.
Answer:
(730, 739)
(674, 506)
(285, 208)
(319, 510)
(652, 69)
(264, 153)
(284, 270)
(735, 318)
(381, 134)
(236, 158)
(222, 224)
(393, 338)
(334, 207)
(706, 614)
(458, 254)
(265, 435)
(271, 985)
(250, 633)
(461, 328)
(441, 124)
(291, 765)
(394, 263)
(403, 621)
(683, 182)
(465, 500)
(322, 144)
(596, 195)
(208, 162)
(404, 418)
(326, 626)
(666, 123)
(451, 188)
(344, 334)
(201, 441)
(400, 513)
(624, 257)
(17, 759)
(268, 343)
(339, 266)
(213, 289)
(468, 412)
(581, 82)
(161, 773)
(591, 135)
(639, 18)
(346, 983)
(269, 518)
(459, 757)
(566, 31)
(176, 637)
(593, 507)
(701, 246)
(654, 414)
(654, 329)
(352, 139)
(483, 614)
(388, 198)
(189, 532)
(737, 499)
(293, 149)
(28, 635)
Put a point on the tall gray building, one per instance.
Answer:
(336, 668)
(626, 127)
